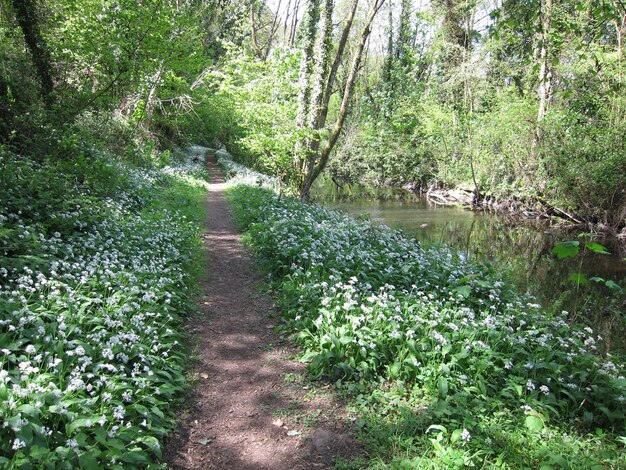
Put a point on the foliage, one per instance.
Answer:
(460, 106)
(445, 343)
(572, 248)
(137, 59)
(96, 273)
(255, 102)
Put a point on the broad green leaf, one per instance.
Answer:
(597, 248)
(134, 456)
(437, 427)
(465, 291)
(566, 249)
(613, 286)
(89, 459)
(28, 410)
(80, 423)
(152, 443)
(534, 423)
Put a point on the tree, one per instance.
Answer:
(316, 86)
(27, 15)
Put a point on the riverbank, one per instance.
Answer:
(452, 364)
(523, 249)
(525, 209)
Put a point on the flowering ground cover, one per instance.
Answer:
(97, 267)
(446, 364)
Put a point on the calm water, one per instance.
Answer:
(520, 249)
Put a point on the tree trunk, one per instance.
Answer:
(254, 32)
(294, 24)
(620, 29)
(322, 56)
(324, 48)
(273, 29)
(332, 76)
(322, 157)
(28, 19)
(307, 63)
(545, 74)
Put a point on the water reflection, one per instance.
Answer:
(521, 250)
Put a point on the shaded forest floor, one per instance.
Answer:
(251, 407)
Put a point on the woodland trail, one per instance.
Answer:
(249, 408)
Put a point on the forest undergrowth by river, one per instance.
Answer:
(446, 364)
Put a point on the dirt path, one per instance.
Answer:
(251, 407)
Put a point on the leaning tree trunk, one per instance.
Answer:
(323, 52)
(332, 76)
(321, 159)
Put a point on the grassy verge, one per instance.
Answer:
(447, 365)
(99, 260)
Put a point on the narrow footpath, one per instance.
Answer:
(250, 407)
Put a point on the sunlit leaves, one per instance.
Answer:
(90, 346)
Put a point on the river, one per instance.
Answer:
(519, 248)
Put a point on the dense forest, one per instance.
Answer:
(506, 100)
(506, 105)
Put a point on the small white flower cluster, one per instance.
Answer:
(372, 302)
(90, 324)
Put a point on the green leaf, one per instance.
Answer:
(566, 249)
(81, 423)
(442, 387)
(28, 410)
(152, 443)
(534, 423)
(437, 427)
(456, 435)
(157, 412)
(89, 459)
(136, 456)
(465, 291)
(579, 278)
(597, 248)
(613, 286)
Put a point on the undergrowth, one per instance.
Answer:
(98, 262)
(446, 365)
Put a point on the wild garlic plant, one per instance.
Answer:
(95, 277)
(372, 306)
